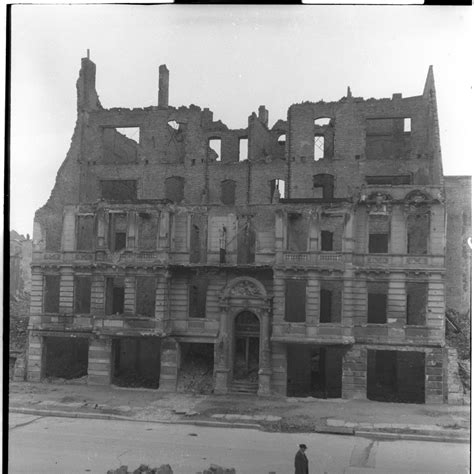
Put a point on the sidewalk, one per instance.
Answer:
(351, 417)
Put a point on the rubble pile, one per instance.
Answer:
(196, 376)
(166, 469)
(458, 331)
(19, 314)
(136, 380)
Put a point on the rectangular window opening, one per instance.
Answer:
(82, 294)
(243, 149)
(132, 133)
(115, 295)
(377, 303)
(85, 233)
(51, 293)
(118, 190)
(215, 146)
(197, 297)
(117, 232)
(298, 229)
(407, 125)
(326, 241)
(145, 296)
(295, 301)
(417, 299)
(318, 147)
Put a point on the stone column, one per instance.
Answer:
(100, 362)
(265, 370)
(222, 351)
(35, 358)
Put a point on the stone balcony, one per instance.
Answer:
(61, 322)
(401, 261)
(331, 259)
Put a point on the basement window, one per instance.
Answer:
(417, 299)
(377, 303)
(243, 148)
(174, 188)
(326, 241)
(118, 190)
(197, 297)
(215, 146)
(115, 295)
(82, 294)
(85, 232)
(145, 296)
(295, 301)
(117, 231)
(51, 294)
(228, 192)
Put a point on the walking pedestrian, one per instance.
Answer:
(301, 461)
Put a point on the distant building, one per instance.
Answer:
(306, 258)
(20, 261)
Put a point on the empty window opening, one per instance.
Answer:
(277, 189)
(377, 303)
(326, 241)
(197, 296)
(314, 371)
(295, 301)
(318, 147)
(397, 180)
(418, 233)
(396, 376)
(196, 368)
(115, 295)
(298, 229)
(119, 190)
(243, 148)
(120, 145)
(407, 125)
(246, 348)
(133, 133)
(173, 124)
(378, 234)
(198, 239)
(386, 138)
(228, 192)
(147, 231)
(330, 302)
(245, 240)
(145, 296)
(117, 231)
(85, 233)
(66, 357)
(417, 299)
(51, 294)
(215, 146)
(82, 294)
(136, 362)
(174, 188)
(282, 139)
(322, 122)
(323, 185)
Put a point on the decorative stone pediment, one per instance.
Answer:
(246, 288)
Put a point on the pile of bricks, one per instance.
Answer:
(166, 469)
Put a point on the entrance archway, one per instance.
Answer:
(246, 347)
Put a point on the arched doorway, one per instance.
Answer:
(246, 347)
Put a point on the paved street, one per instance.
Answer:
(69, 445)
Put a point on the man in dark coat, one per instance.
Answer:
(301, 461)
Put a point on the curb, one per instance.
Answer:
(100, 416)
(441, 437)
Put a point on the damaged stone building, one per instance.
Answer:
(305, 258)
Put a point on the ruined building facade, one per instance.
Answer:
(303, 259)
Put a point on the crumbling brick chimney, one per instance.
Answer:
(263, 115)
(163, 86)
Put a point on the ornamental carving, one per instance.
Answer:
(245, 288)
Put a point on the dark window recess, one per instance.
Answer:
(325, 306)
(245, 241)
(385, 139)
(197, 297)
(418, 232)
(85, 233)
(147, 231)
(397, 180)
(51, 294)
(119, 190)
(198, 239)
(228, 192)
(66, 357)
(115, 296)
(376, 308)
(417, 299)
(117, 232)
(297, 233)
(324, 184)
(120, 145)
(326, 241)
(82, 294)
(145, 296)
(378, 243)
(174, 188)
(295, 301)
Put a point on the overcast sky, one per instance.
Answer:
(228, 58)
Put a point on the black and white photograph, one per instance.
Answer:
(240, 239)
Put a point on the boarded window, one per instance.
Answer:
(147, 231)
(228, 192)
(326, 241)
(417, 298)
(397, 180)
(418, 231)
(330, 303)
(115, 295)
(82, 294)
(323, 185)
(245, 241)
(297, 233)
(51, 294)
(174, 188)
(119, 190)
(378, 234)
(295, 301)
(377, 303)
(197, 297)
(117, 231)
(85, 233)
(145, 296)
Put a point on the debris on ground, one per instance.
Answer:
(196, 377)
(166, 469)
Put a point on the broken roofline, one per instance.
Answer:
(88, 98)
